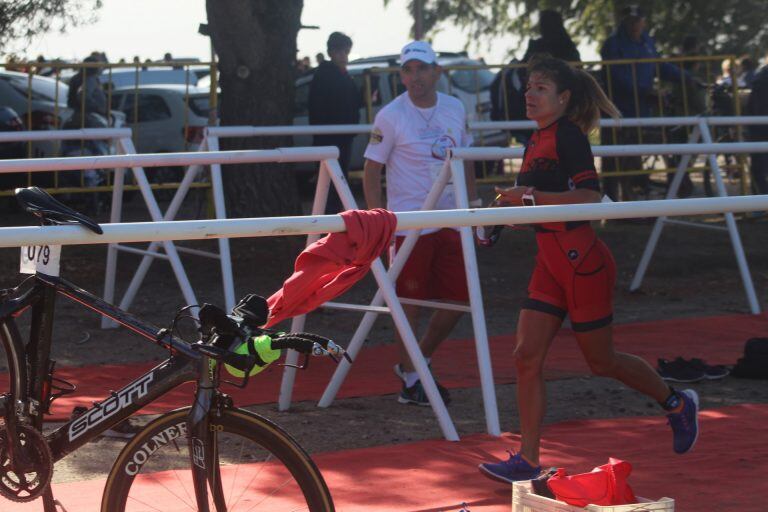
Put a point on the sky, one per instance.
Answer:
(150, 28)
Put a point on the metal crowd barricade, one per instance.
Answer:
(330, 172)
(687, 151)
(314, 225)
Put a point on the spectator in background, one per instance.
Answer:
(411, 136)
(335, 99)
(731, 70)
(168, 59)
(507, 89)
(320, 58)
(748, 70)
(757, 105)
(86, 96)
(554, 39)
(631, 88)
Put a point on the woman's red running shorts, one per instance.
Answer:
(574, 274)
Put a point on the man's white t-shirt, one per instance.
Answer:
(412, 142)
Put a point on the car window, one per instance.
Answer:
(151, 107)
(471, 80)
(200, 105)
(42, 89)
(129, 77)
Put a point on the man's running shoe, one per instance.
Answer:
(513, 470)
(685, 423)
(679, 370)
(416, 394)
(711, 372)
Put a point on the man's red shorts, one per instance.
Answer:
(574, 274)
(435, 268)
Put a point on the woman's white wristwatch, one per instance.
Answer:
(528, 199)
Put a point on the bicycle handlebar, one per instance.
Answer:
(302, 342)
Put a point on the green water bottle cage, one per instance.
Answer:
(260, 346)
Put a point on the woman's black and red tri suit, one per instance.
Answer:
(575, 272)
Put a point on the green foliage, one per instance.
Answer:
(22, 19)
(722, 27)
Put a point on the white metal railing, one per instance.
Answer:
(688, 151)
(309, 225)
(84, 133)
(479, 126)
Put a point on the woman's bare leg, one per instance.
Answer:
(535, 332)
(633, 371)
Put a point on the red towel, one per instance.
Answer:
(330, 266)
(604, 485)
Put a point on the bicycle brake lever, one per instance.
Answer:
(298, 367)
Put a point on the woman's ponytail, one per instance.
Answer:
(587, 98)
(585, 110)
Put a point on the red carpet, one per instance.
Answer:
(725, 472)
(718, 340)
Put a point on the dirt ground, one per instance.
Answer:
(693, 273)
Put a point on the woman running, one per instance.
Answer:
(575, 272)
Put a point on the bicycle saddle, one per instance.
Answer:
(40, 203)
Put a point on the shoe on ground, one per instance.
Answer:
(679, 370)
(515, 469)
(685, 424)
(416, 394)
(711, 372)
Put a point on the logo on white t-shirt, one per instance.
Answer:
(376, 136)
(441, 146)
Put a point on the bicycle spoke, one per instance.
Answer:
(272, 494)
(254, 477)
(153, 477)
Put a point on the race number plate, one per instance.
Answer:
(40, 258)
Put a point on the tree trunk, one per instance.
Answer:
(255, 41)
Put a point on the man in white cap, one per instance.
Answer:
(411, 137)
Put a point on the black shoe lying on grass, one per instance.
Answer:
(694, 370)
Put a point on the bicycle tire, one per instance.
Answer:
(12, 361)
(167, 464)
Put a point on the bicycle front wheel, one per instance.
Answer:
(258, 466)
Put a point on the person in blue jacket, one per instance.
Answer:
(632, 91)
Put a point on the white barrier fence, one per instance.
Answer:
(321, 224)
(688, 151)
(52, 135)
(480, 126)
(231, 228)
(215, 158)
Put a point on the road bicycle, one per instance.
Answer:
(210, 456)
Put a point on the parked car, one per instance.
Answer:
(165, 118)
(11, 122)
(158, 114)
(48, 107)
(124, 77)
(471, 86)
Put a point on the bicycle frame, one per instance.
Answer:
(184, 365)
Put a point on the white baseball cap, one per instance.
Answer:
(419, 50)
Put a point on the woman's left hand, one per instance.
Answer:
(510, 196)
